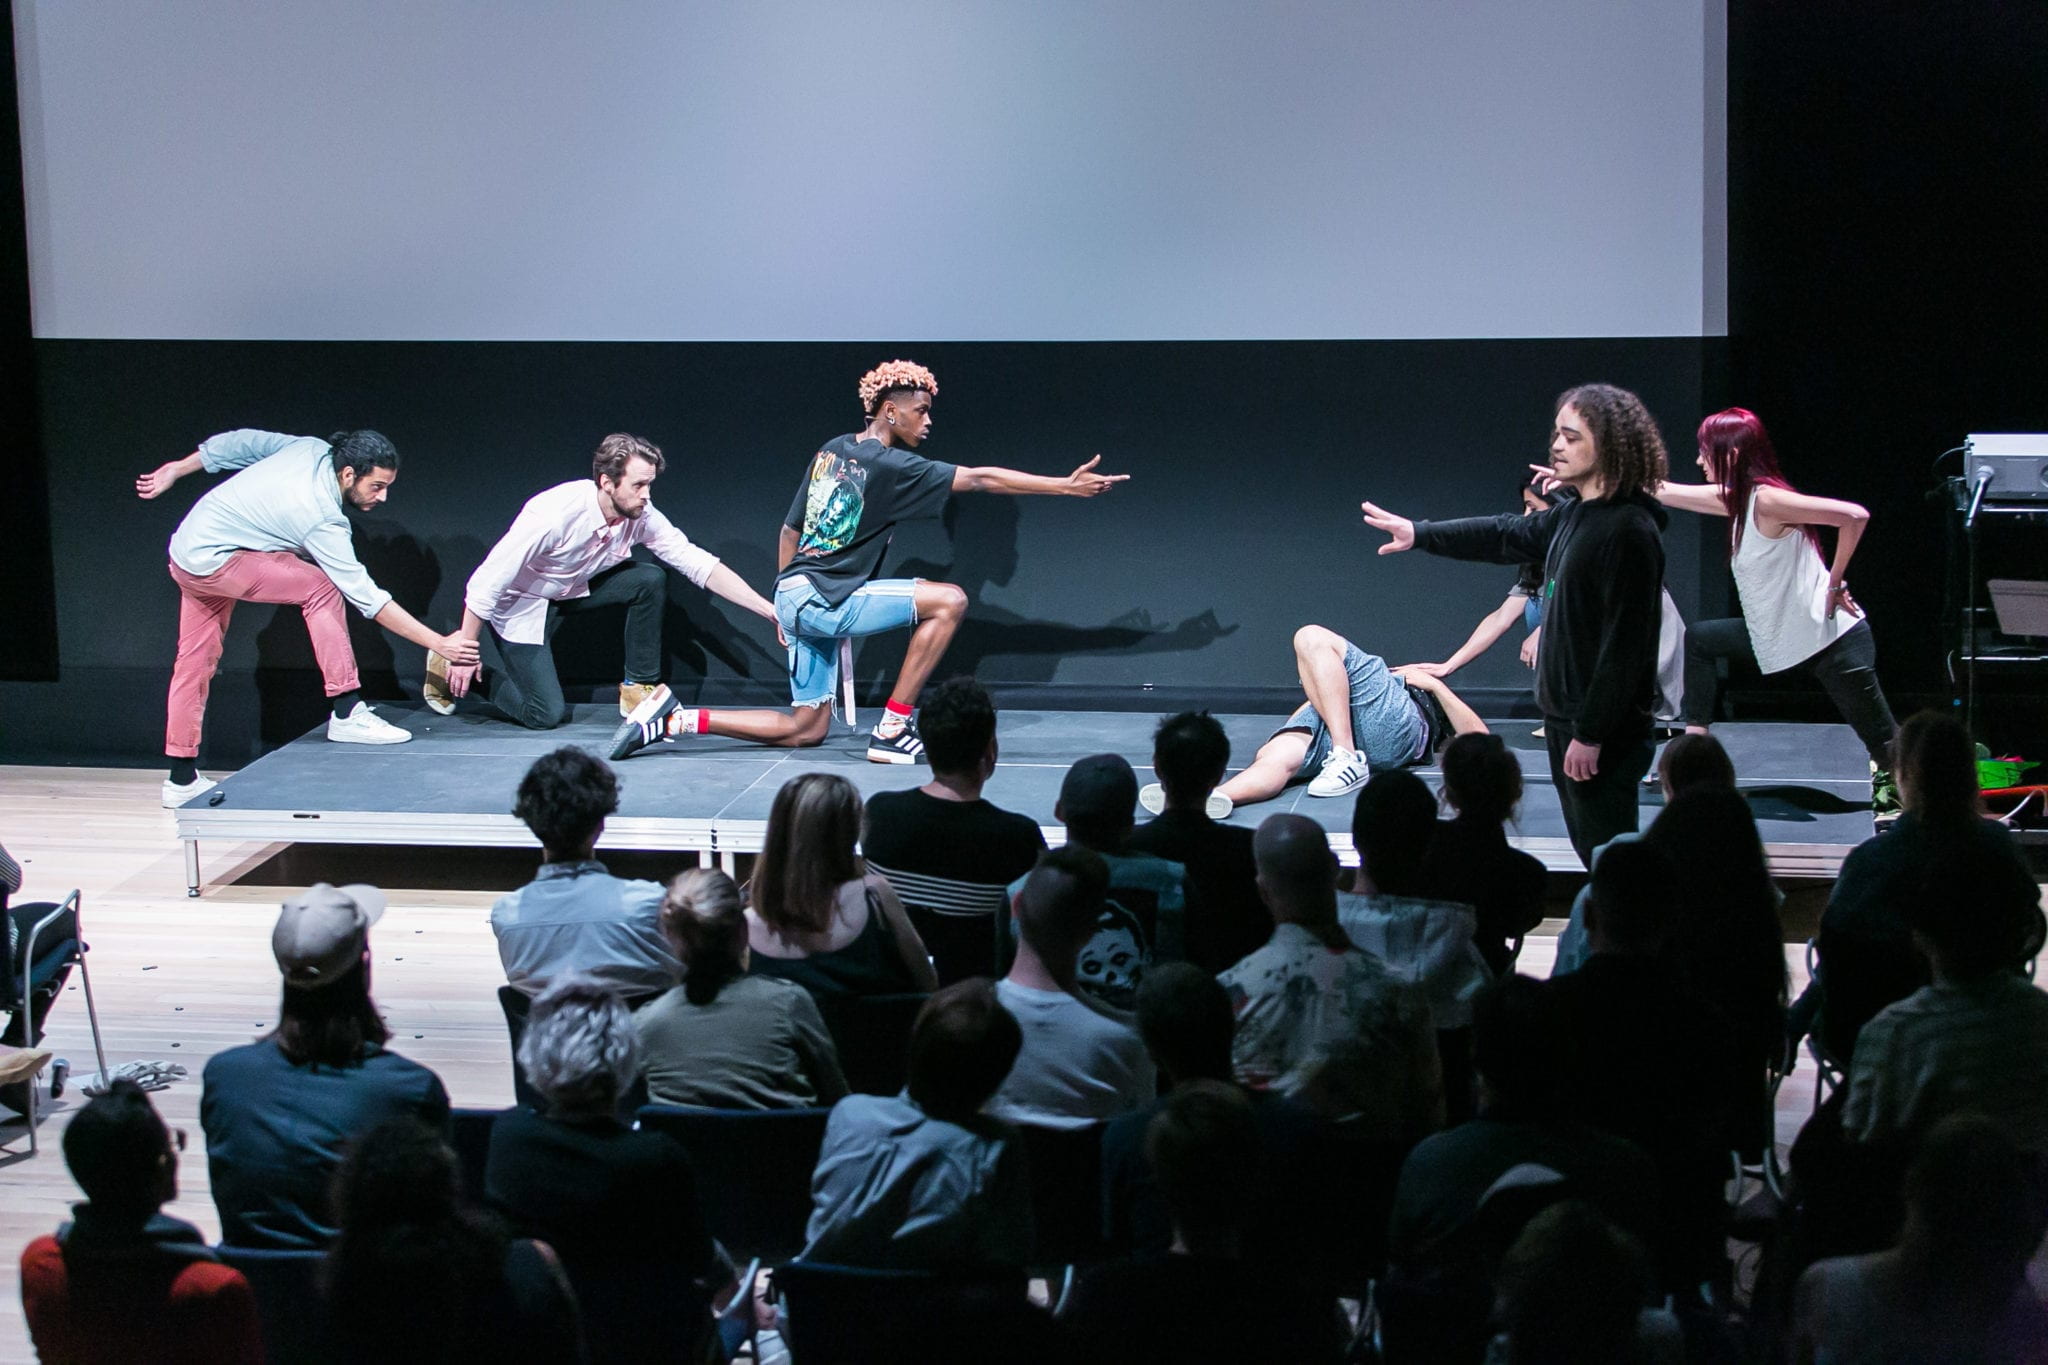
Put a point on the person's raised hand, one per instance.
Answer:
(1400, 530)
(462, 677)
(458, 652)
(158, 481)
(1545, 478)
(1086, 483)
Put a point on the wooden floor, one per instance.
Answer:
(178, 980)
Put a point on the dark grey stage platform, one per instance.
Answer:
(453, 785)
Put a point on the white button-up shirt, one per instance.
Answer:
(287, 498)
(557, 544)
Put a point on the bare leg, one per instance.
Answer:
(939, 609)
(1278, 760)
(796, 729)
(1319, 658)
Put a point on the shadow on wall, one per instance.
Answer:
(982, 531)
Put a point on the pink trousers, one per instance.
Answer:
(203, 611)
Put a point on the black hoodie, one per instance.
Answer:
(1603, 573)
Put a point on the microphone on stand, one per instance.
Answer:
(1978, 487)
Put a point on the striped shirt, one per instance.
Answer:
(1949, 1047)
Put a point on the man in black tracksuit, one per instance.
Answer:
(1603, 570)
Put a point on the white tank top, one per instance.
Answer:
(1784, 590)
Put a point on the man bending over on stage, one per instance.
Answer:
(570, 550)
(1360, 716)
(838, 529)
(276, 532)
(1603, 571)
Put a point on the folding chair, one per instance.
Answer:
(286, 1286)
(872, 1035)
(753, 1171)
(42, 963)
(469, 1133)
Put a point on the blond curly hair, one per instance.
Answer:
(890, 375)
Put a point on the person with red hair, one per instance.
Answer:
(1797, 611)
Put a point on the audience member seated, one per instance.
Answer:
(1080, 1062)
(1184, 1017)
(1865, 954)
(1470, 861)
(1143, 912)
(1575, 1290)
(949, 853)
(1428, 943)
(1516, 1053)
(924, 1180)
(279, 1112)
(414, 1275)
(575, 916)
(1726, 940)
(1646, 1057)
(818, 916)
(1224, 918)
(1206, 1298)
(122, 1281)
(1688, 763)
(1955, 1287)
(615, 1203)
(1977, 1036)
(724, 1039)
(1320, 1020)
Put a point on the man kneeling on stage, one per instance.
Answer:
(1360, 715)
(570, 550)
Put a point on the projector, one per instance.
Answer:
(2011, 467)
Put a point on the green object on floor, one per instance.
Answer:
(1996, 773)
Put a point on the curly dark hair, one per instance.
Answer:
(563, 798)
(1625, 436)
(956, 722)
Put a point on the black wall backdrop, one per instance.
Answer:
(1240, 523)
(1886, 290)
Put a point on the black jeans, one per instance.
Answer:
(1597, 810)
(521, 680)
(1846, 670)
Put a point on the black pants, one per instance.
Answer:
(1846, 670)
(521, 680)
(1597, 810)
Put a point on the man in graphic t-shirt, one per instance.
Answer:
(855, 490)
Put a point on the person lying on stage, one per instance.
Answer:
(276, 532)
(569, 551)
(1360, 716)
(838, 529)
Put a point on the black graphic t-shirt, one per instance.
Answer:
(852, 496)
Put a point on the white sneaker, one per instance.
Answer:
(364, 726)
(1344, 772)
(176, 796)
(1152, 796)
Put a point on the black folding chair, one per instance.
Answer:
(844, 1315)
(872, 1036)
(286, 1286)
(1065, 1167)
(753, 1171)
(469, 1133)
(46, 953)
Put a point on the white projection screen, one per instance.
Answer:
(738, 170)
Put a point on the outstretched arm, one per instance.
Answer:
(1708, 499)
(159, 480)
(1783, 507)
(405, 625)
(1491, 627)
(725, 583)
(1084, 482)
(1510, 538)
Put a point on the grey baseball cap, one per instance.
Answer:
(320, 933)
